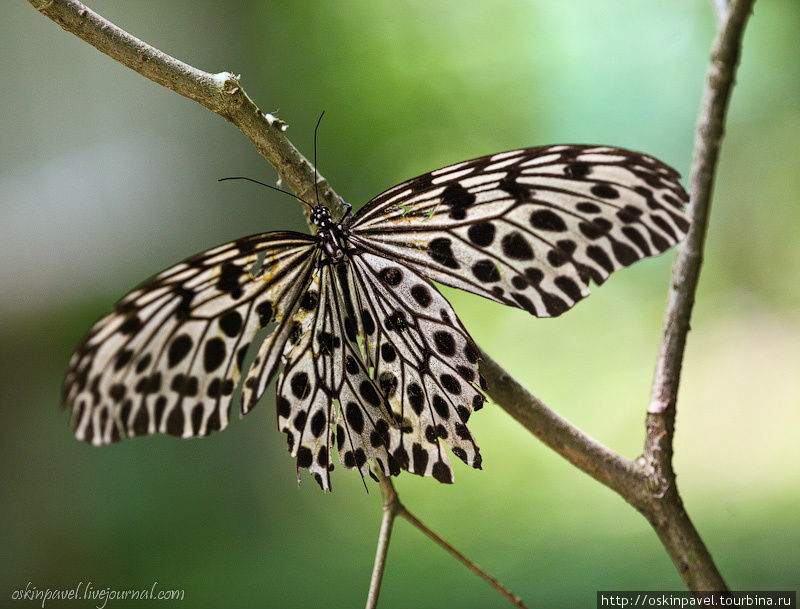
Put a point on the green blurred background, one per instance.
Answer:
(106, 178)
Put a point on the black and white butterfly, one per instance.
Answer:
(374, 358)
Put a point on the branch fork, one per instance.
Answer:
(393, 507)
(647, 483)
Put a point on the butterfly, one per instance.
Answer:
(369, 356)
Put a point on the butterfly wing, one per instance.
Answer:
(423, 360)
(368, 343)
(326, 382)
(528, 228)
(366, 429)
(168, 358)
(305, 387)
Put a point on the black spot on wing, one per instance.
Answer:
(131, 325)
(486, 271)
(265, 313)
(300, 385)
(178, 349)
(440, 249)
(185, 302)
(577, 170)
(231, 323)
(515, 246)
(229, 280)
(481, 234)
(548, 220)
(354, 417)
(588, 207)
(391, 275)
(416, 397)
(309, 300)
(388, 353)
(445, 343)
(510, 185)
(421, 294)
(214, 354)
(459, 199)
(605, 191)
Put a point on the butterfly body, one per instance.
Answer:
(331, 235)
(373, 359)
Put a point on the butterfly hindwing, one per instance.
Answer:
(366, 428)
(305, 388)
(169, 357)
(530, 227)
(423, 360)
(326, 382)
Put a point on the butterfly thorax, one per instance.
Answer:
(330, 234)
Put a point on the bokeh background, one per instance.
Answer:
(106, 178)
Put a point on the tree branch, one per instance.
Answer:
(722, 9)
(670, 520)
(648, 483)
(221, 93)
(583, 451)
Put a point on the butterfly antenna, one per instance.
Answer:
(286, 192)
(316, 191)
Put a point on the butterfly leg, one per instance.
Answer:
(348, 210)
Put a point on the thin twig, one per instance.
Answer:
(512, 598)
(722, 9)
(671, 521)
(392, 506)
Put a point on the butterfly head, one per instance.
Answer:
(321, 217)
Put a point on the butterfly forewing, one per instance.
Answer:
(169, 357)
(529, 228)
(289, 312)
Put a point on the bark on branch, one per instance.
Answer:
(221, 93)
(686, 271)
(647, 483)
(669, 518)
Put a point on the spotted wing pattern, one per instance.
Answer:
(423, 360)
(168, 358)
(528, 228)
(325, 382)
(374, 358)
